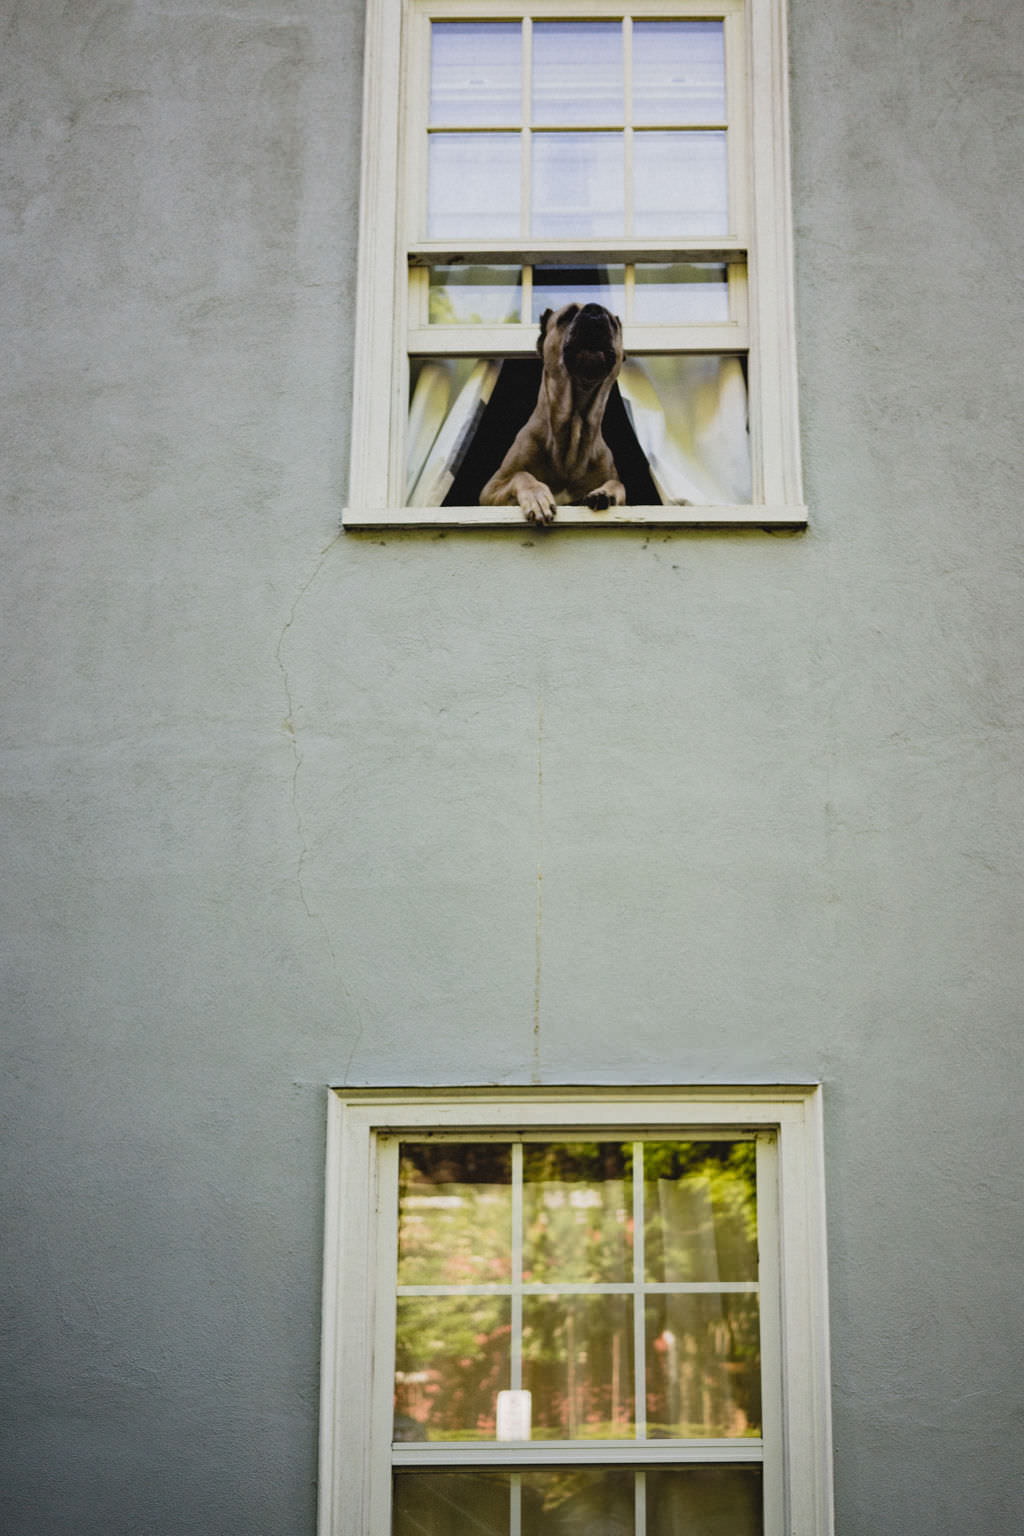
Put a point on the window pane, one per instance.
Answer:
(700, 1206)
(578, 185)
(681, 294)
(450, 1504)
(555, 286)
(577, 1501)
(703, 1365)
(690, 418)
(678, 72)
(680, 181)
(577, 72)
(473, 186)
(451, 1361)
(454, 1213)
(578, 1366)
(475, 72)
(577, 1213)
(704, 1501)
(474, 295)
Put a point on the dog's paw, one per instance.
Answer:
(597, 501)
(538, 505)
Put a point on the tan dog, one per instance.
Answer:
(560, 457)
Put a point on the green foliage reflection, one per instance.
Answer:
(703, 1365)
(451, 1361)
(578, 1366)
(700, 1204)
(454, 1213)
(577, 1212)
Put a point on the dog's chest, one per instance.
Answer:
(572, 453)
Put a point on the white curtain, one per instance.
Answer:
(690, 417)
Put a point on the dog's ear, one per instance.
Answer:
(545, 317)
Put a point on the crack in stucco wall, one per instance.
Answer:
(535, 1074)
(289, 725)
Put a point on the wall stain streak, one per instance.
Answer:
(289, 725)
(535, 1074)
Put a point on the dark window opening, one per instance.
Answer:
(510, 404)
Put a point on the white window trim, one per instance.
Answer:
(382, 300)
(355, 1439)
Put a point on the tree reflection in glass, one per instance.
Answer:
(451, 1361)
(450, 1504)
(703, 1365)
(578, 1366)
(578, 1501)
(577, 1212)
(471, 1321)
(700, 1206)
(454, 1213)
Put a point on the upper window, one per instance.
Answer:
(587, 1313)
(540, 156)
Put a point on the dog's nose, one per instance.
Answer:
(593, 311)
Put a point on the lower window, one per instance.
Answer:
(547, 1316)
(590, 1501)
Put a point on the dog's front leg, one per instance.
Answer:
(534, 498)
(611, 494)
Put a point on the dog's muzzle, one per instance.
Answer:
(590, 347)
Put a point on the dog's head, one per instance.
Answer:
(584, 339)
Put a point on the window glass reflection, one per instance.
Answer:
(703, 1365)
(681, 185)
(577, 72)
(700, 1205)
(451, 1361)
(683, 293)
(578, 1501)
(578, 185)
(473, 185)
(678, 72)
(450, 1504)
(578, 1366)
(704, 1501)
(454, 1213)
(474, 295)
(475, 73)
(577, 1212)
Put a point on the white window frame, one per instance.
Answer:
(760, 107)
(359, 1260)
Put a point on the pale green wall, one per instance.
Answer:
(275, 799)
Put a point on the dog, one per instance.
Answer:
(560, 457)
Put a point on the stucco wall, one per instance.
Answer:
(276, 799)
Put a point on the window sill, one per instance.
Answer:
(789, 517)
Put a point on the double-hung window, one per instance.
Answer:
(523, 154)
(585, 1314)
